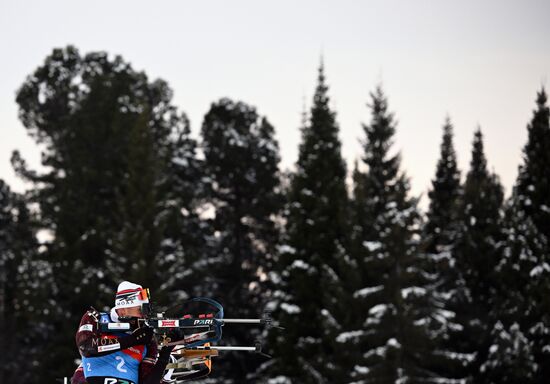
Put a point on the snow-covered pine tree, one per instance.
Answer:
(311, 302)
(393, 302)
(532, 190)
(511, 357)
(241, 161)
(524, 313)
(394, 306)
(533, 196)
(476, 252)
(439, 236)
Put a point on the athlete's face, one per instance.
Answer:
(130, 312)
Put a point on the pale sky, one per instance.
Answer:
(478, 61)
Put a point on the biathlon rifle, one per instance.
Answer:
(193, 329)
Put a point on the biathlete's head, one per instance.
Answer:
(130, 299)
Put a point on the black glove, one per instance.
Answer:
(141, 336)
(164, 354)
(155, 375)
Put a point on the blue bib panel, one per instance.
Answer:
(121, 364)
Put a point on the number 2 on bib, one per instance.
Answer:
(120, 366)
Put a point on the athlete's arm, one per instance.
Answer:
(91, 342)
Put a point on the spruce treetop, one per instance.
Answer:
(542, 99)
(447, 173)
(444, 195)
(478, 163)
(379, 133)
(321, 92)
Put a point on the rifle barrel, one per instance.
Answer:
(242, 321)
(229, 348)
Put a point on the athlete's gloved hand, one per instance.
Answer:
(157, 372)
(164, 354)
(141, 336)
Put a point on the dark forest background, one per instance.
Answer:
(370, 288)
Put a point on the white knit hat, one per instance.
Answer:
(129, 295)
